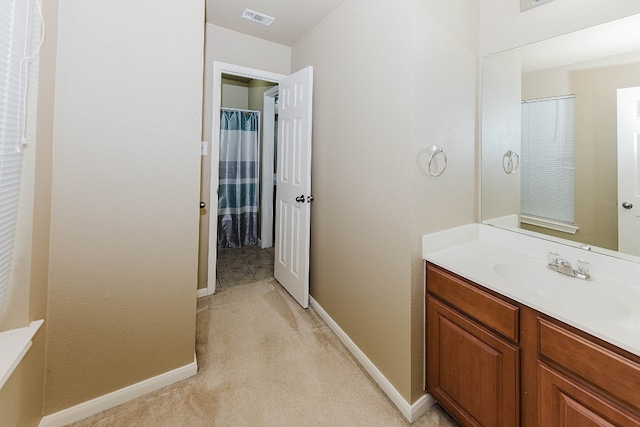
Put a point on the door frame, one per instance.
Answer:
(220, 68)
(268, 168)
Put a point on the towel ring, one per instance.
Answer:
(510, 162)
(435, 150)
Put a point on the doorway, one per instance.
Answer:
(235, 78)
(245, 189)
(293, 199)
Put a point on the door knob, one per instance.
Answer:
(203, 205)
(300, 199)
(309, 199)
(627, 205)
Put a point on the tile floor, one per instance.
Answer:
(239, 266)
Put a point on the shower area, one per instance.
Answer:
(241, 258)
(239, 178)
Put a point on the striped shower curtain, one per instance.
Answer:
(238, 185)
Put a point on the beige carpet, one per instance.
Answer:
(264, 361)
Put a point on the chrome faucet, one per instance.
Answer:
(562, 266)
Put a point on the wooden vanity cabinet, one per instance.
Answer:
(472, 352)
(566, 402)
(583, 381)
(491, 361)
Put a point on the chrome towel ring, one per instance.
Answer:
(432, 166)
(432, 160)
(510, 162)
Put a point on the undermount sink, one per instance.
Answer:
(565, 292)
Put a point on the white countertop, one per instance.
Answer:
(515, 265)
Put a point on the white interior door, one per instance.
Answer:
(629, 170)
(293, 189)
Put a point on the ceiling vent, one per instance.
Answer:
(258, 17)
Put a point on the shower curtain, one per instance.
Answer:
(238, 185)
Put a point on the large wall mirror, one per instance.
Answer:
(528, 4)
(561, 138)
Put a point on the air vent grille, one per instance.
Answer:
(258, 17)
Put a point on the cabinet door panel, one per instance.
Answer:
(470, 371)
(565, 403)
(584, 357)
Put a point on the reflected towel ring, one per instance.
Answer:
(510, 162)
(435, 150)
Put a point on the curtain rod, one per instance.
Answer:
(239, 109)
(552, 98)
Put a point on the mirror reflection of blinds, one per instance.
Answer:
(15, 18)
(548, 158)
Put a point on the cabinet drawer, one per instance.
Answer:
(488, 309)
(600, 366)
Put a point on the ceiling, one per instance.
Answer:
(294, 18)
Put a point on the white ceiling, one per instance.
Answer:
(294, 18)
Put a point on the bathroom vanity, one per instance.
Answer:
(510, 342)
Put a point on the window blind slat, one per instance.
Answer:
(14, 45)
(548, 159)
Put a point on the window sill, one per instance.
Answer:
(14, 344)
(547, 223)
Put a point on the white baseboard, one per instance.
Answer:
(410, 412)
(93, 406)
(205, 292)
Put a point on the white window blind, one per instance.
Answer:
(15, 18)
(548, 158)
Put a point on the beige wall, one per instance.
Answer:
(234, 94)
(445, 70)
(546, 83)
(596, 172)
(596, 211)
(257, 88)
(21, 395)
(234, 48)
(371, 202)
(124, 219)
(21, 398)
